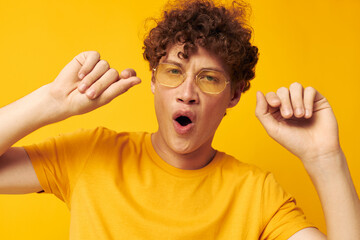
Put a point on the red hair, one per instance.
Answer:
(223, 31)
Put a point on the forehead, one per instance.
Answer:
(201, 58)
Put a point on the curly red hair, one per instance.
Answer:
(220, 30)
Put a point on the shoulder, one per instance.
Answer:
(246, 175)
(236, 168)
(102, 134)
(92, 140)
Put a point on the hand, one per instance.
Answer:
(87, 83)
(301, 120)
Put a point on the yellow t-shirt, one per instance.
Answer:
(117, 187)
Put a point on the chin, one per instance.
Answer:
(182, 146)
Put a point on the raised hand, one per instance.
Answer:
(84, 84)
(301, 120)
(88, 82)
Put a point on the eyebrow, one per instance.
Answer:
(181, 66)
(173, 62)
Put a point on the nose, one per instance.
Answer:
(188, 91)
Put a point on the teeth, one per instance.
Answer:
(183, 120)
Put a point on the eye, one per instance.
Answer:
(209, 78)
(174, 71)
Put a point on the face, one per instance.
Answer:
(188, 117)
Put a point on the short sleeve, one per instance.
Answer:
(281, 216)
(59, 161)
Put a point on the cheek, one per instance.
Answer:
(214, 113)
(218, 105)
(162, 106)
(158, 105)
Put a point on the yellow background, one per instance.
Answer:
(316, 43)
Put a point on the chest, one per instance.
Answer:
(151, 202)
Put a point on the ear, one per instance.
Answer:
(236, 94)
(152, 82)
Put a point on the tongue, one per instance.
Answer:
(183, 120)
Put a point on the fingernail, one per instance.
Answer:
(286, 112)
(82, 87)
(307, 113)
(299, 111)
(125, 74)
(81, 75)
(90, 93)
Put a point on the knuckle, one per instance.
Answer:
(295, 86)
(310, 89)
(95, 54)
(124, 90)
(106, 101)
(87, 81)
(113, 72)
(269, 94)
(99, 85)
(104, 64)
(282, 90)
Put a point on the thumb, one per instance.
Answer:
(262, 112)
(261, 105)
(118, 88)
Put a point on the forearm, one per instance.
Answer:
(24, 116)
(331, 178)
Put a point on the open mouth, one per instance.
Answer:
(183, 120)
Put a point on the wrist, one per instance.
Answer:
(328, 162)
(27, 114)
(43, 108)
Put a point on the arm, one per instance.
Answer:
(302, 121)
(84, 84)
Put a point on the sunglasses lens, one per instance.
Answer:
(169, 75)
(211, 82)
(208, 81)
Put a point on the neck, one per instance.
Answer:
(196, 159)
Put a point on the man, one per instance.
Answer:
(172, 184)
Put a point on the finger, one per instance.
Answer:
(102, 84)
(285, 108)
(100, 68)
(296, 96)
(262, 112)
(309, 98)
(273, 99)
(128, 72)
(118, 88)
(87, 60)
